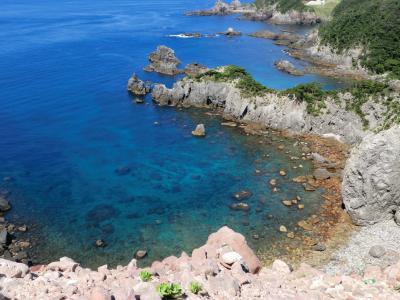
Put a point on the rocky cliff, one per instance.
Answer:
(224, 268)
(371, 184)
(273, 109)
(273, 15)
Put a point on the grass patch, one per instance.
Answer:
(247, 85)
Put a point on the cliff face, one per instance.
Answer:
(273, 110)
(371, 184)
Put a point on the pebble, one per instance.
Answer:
(290, 235)
(282, 173)
(319, 247)
(282, 228)
(287, 202)
(377, 251)
(300, 206)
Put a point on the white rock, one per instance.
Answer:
(12, 269)
(231, 257)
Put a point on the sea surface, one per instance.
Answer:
(67, 125)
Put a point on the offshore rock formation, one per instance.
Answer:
(371, 184)
(225, 267)
(288, 67)
(163, 61)
(284, 39)
(137, 86)
(273, 110)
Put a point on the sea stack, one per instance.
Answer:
(163, 61)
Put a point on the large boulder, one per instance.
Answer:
(237, 242)
(163, 61)
(12, 269)
(371, 183)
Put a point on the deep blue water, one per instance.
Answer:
(67, 123)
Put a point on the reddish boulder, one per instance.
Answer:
(226, 236)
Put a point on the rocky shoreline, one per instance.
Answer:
(269, 14)
(224, 268)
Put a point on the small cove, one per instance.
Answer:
(68, 124)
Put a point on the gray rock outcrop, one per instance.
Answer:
(163, 61)
(195, 69)
(137, 86)
(371, 184)
(287, 67)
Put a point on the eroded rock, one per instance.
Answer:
(163, 61)
(287, 67)
(371, 189)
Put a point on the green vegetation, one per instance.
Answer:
(373, 25)
(312, 94)
(244, 81)
(169, 290)
(145, 276)
(283, 6)
(361, 92)
(325, 11)
(195, 287)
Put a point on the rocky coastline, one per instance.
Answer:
(224, 268)
(268, 14)
(357, 165)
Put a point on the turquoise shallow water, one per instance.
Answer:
(67, 124)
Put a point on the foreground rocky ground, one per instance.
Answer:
(225, 267)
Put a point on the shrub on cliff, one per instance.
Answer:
(283, 6)
(373, 25)
(247, 85)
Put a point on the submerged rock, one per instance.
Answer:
(371, 189)
(140, 254)
(288, 67)
(4, 205)
(200, 131)
(240, 206)
(242, 195)
(163, 61)
(100, 244)
(137, 86)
